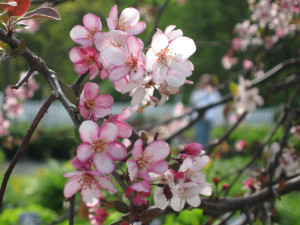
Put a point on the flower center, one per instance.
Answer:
(163, 58)
(90, 104)
(87, 181)
(132, 62)
(144, 161)
(90, 59)
(122, 25)
(99, 146)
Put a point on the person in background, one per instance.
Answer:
(205, 94)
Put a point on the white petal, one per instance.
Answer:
(160, 200)
(103, 163)
(175, 78)
(114, 55)
(183, 47)
(106, 183)
(117, 151)
(108, 132)
(130, 16)
(159, 41)
(90, 195)
(194, 201)
(72, 186)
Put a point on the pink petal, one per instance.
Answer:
(125, 114)
(91, 195)
(169, 29)
(159, 41)
(92, 22)
(143, 186)
(145, 175)
(84, 151)
(103, 163)
(106, 183)
(132, 169)
(136, 29)
(137, 149)
(90, 90)
(158, 149)
(134, 45)
(88, 131)
(81, 68)
(113, 17)
(175, 78)
(94, 70)
(72, 186)
(120, 84)
(118, 72)
(117, 151)
(79, 34)
(100, 40)
(114, 55)
(76, 55)
(108, 132)
(124, 130)
(130, 16)
(83, 111)
(159, 167)
(104, 101)
(183, 47)
(100, 112)
(74, 173)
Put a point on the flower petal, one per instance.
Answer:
(132, 169)
(175, 78)
(160, 200)
(136, 29)
(159, 150)
(124, 130)
(103, 163)
(113, 18)
(72, 186)
(116, 150)
(91, 195)
(90, 90)
(114, 55)
(159, 41)
(137, 149)
(183, 47)
(159, 167)
(130, 16)
(92, 22)
(84, 151)
(118, 72)
(194, 201)
(88, 131)
(79, 34)
(106, 183)
(108, 132)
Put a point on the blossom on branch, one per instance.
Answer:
(91, 105)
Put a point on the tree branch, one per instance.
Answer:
(24, 143)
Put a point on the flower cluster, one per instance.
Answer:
(119, 56)
(12, 106)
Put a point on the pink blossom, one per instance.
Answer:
(149, 160)
(240, 145)
(193, 149)
(125, 62)
(79, 165)
(93, 106)
(247, 64)
(84, 35)
(100, 145)
(139, 191)
(248, 184)
(13, 107)
(90, 183)
(124, 130)
(167, 58)
(4, 124)
(228, 60)
(97, 216)
(295, 130)
(128, 21)
(84, 59)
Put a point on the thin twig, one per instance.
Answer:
(33, 126)
(25, 79)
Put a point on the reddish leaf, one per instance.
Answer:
(4, 5)
(20, 9)
(43, 12)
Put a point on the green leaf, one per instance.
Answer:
(43, 12)
(69, 93)
(233, 87)
(4, 17)
(121, 207)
